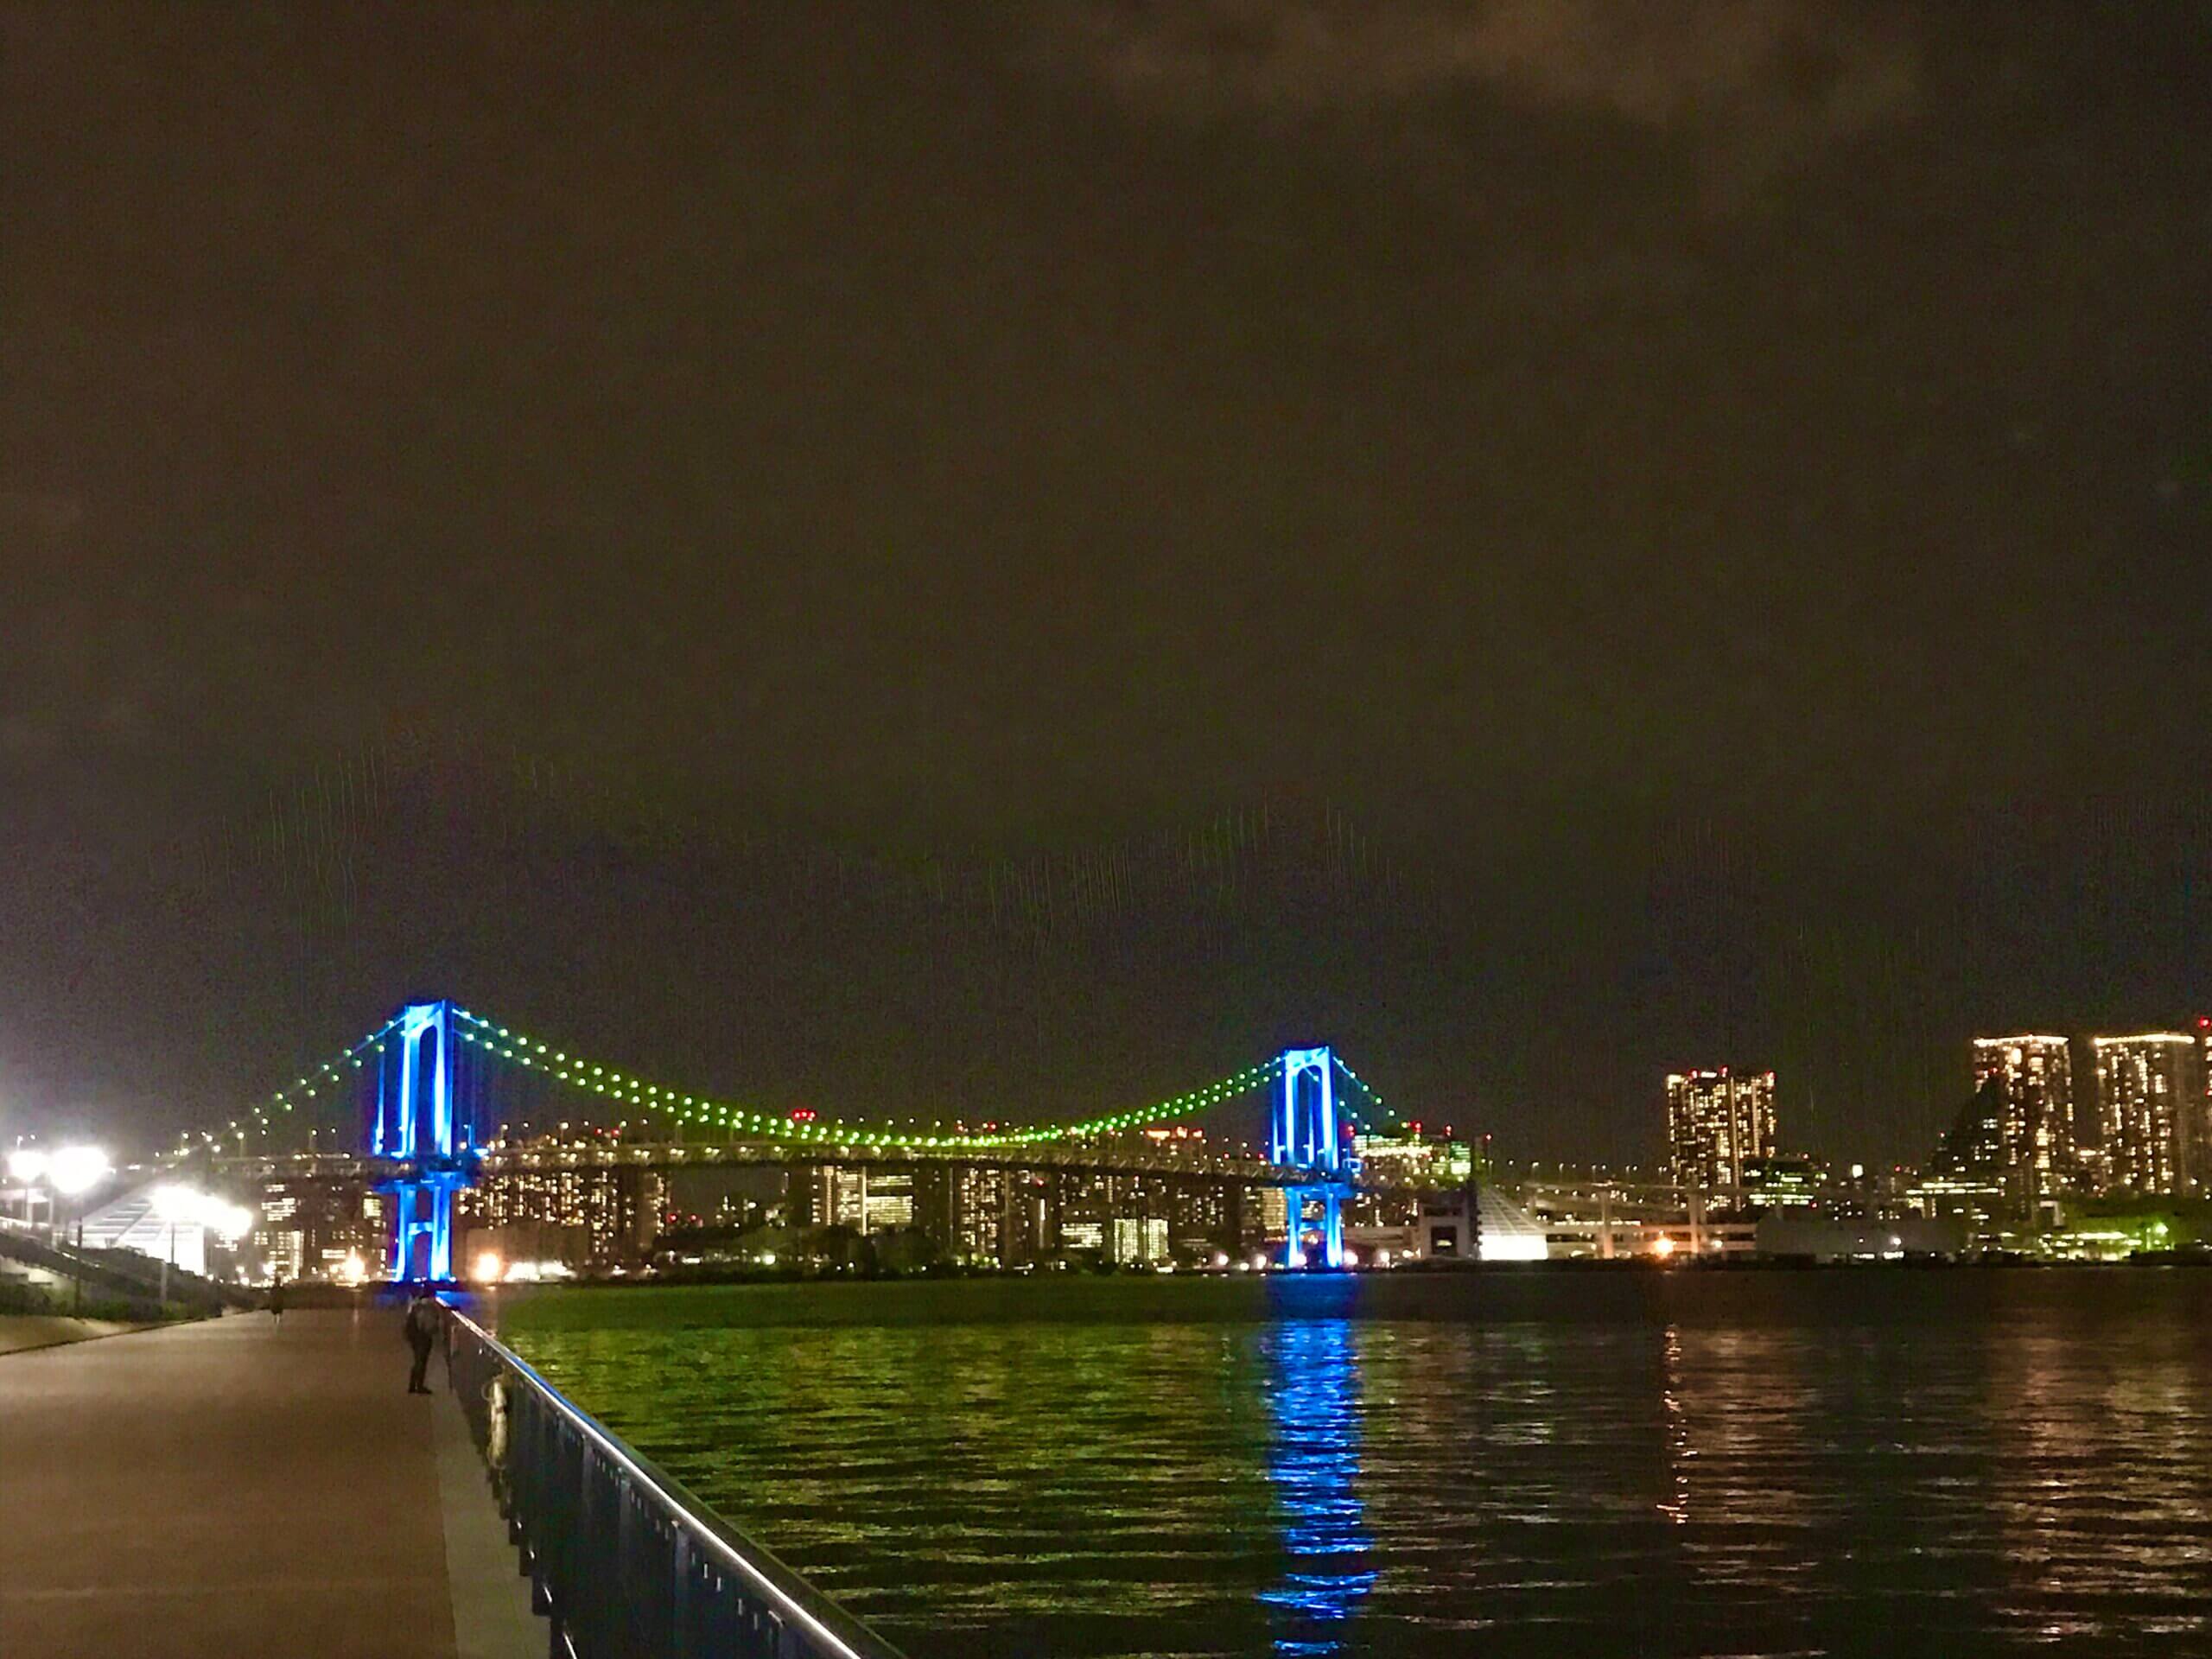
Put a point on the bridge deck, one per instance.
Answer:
(236, 1487)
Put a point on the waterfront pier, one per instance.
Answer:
(242, 1486)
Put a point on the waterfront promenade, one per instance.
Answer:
(237, 1487)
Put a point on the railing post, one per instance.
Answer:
(680, 1644)
(626, 1563)
(578, 1580)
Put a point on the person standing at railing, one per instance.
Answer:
(421, 1328)
(276, 1299)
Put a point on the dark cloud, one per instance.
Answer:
(29, 513)
(1756, 83)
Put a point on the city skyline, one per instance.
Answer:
(2044, 1161)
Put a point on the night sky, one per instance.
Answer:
(1010, 559)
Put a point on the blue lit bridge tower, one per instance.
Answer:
(423, 1124)
(1305, 1132)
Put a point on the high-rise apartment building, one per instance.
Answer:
(2035, 1115)
(2196, 1121)
(2145, 1092)
(1716, 1123)
(1967, 1179)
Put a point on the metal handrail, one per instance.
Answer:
(624, 1562)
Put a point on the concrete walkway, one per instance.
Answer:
(237, 1487)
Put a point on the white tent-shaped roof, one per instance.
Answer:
(1509, 1233)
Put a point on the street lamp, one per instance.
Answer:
(27, 1168)
(75, 1170)
(68, 1173)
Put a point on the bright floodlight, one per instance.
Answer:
(177, 1204)
(26, 1164)
(487, 1268)
(184, 1206)
(76, 1169)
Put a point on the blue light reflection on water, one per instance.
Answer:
(1978, 1465)
(1313, 1463)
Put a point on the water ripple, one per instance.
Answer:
(1771, 1464)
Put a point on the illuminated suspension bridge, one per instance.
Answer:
(427, 1105)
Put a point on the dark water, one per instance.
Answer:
(1963, 1463)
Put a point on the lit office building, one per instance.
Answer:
(1203, 1216)
(1026, 1233)
(1776, 1183)
(281, 1238)
(866, 1199)
(1717, 1124)
(831, 1195)
(1410, 1160)
(312, 1229)
(1138, 1241)
(971, 1209)
(577, 1213)
(889, 1204)
(1275, 1212)
(1171, 1214)
(2145, 1093)
(2035, 1077)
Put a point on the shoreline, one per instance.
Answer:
(27, 1333)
